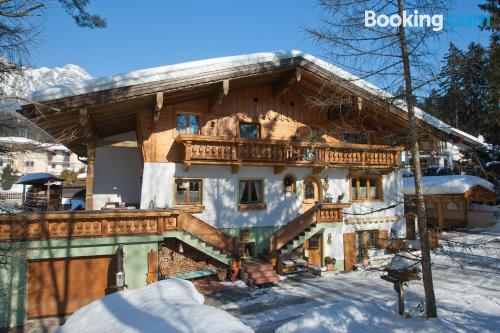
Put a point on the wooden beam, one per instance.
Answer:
(235, 168)
(319, 169)
(221, 91)
(283, 85)
(117, 143)
(278, 169)
(158, 105)
(87, 125)
(89, 186)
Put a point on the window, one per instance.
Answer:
(451, 206)
(251, 193)
(188, 191)
(366, 188)
(188, 123)
(289, 184)
(29, 163)
(368, 239)
(250, 130)
(308, 190)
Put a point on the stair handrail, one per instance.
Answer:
(292, 229)
(207, 233)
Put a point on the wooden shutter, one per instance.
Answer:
(152, 267)
(61, 286)
(383, 238)
(410, 228)
(349, 251)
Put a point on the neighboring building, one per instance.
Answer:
(28, 156)
(451, 201)
(223, 156)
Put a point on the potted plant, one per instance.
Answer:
(235, 267)
(330, 263)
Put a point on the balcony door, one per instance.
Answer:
(311, 192)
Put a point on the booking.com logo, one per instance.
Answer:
(416, 20)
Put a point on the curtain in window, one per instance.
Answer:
(362, 189)
(182, 123)
(243, 192)
(353, 189)
(255, 194)
(373, 189)
(194, 124)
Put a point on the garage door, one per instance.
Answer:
(62, 286)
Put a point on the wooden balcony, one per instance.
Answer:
(96, 224)
(236, 151)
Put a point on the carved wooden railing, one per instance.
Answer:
(85, 224)
(233, 150)
(82, 224)
(211, 235)
(321, 213)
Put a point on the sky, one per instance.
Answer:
(149, 33)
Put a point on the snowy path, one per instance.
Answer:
(467, 290)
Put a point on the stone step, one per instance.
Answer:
(263, 267)
(263, 280)
(259, 275)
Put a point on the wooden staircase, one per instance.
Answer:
(202, 236)
(257, 273)
(304, 226)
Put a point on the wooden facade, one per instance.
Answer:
(450, 210)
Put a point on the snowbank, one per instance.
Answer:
(363, 317)
(453, 184)
(171, 305)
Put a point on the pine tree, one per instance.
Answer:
(8, 177)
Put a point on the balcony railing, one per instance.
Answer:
(232, 150)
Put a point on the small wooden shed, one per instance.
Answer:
(448, 199)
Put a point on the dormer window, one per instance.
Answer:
(188, 123)
(250, 130)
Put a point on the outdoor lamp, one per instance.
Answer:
(120, 275)
(120, 279)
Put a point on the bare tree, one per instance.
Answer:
(388, 42)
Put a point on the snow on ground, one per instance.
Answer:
(452, 184)
(167, 306)
(466, 281)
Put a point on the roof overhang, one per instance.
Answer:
(113, 102)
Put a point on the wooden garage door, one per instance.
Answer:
(62, 286)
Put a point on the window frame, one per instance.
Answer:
(259, 129)
(247, 205)
(188, 203)
(370, 179)
(188, 127)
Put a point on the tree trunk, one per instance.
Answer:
(430, 298)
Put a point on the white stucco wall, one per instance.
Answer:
(220, 195)
(117, 173)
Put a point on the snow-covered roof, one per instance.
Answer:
(452, 184)
(217, 64)
(25, 141)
